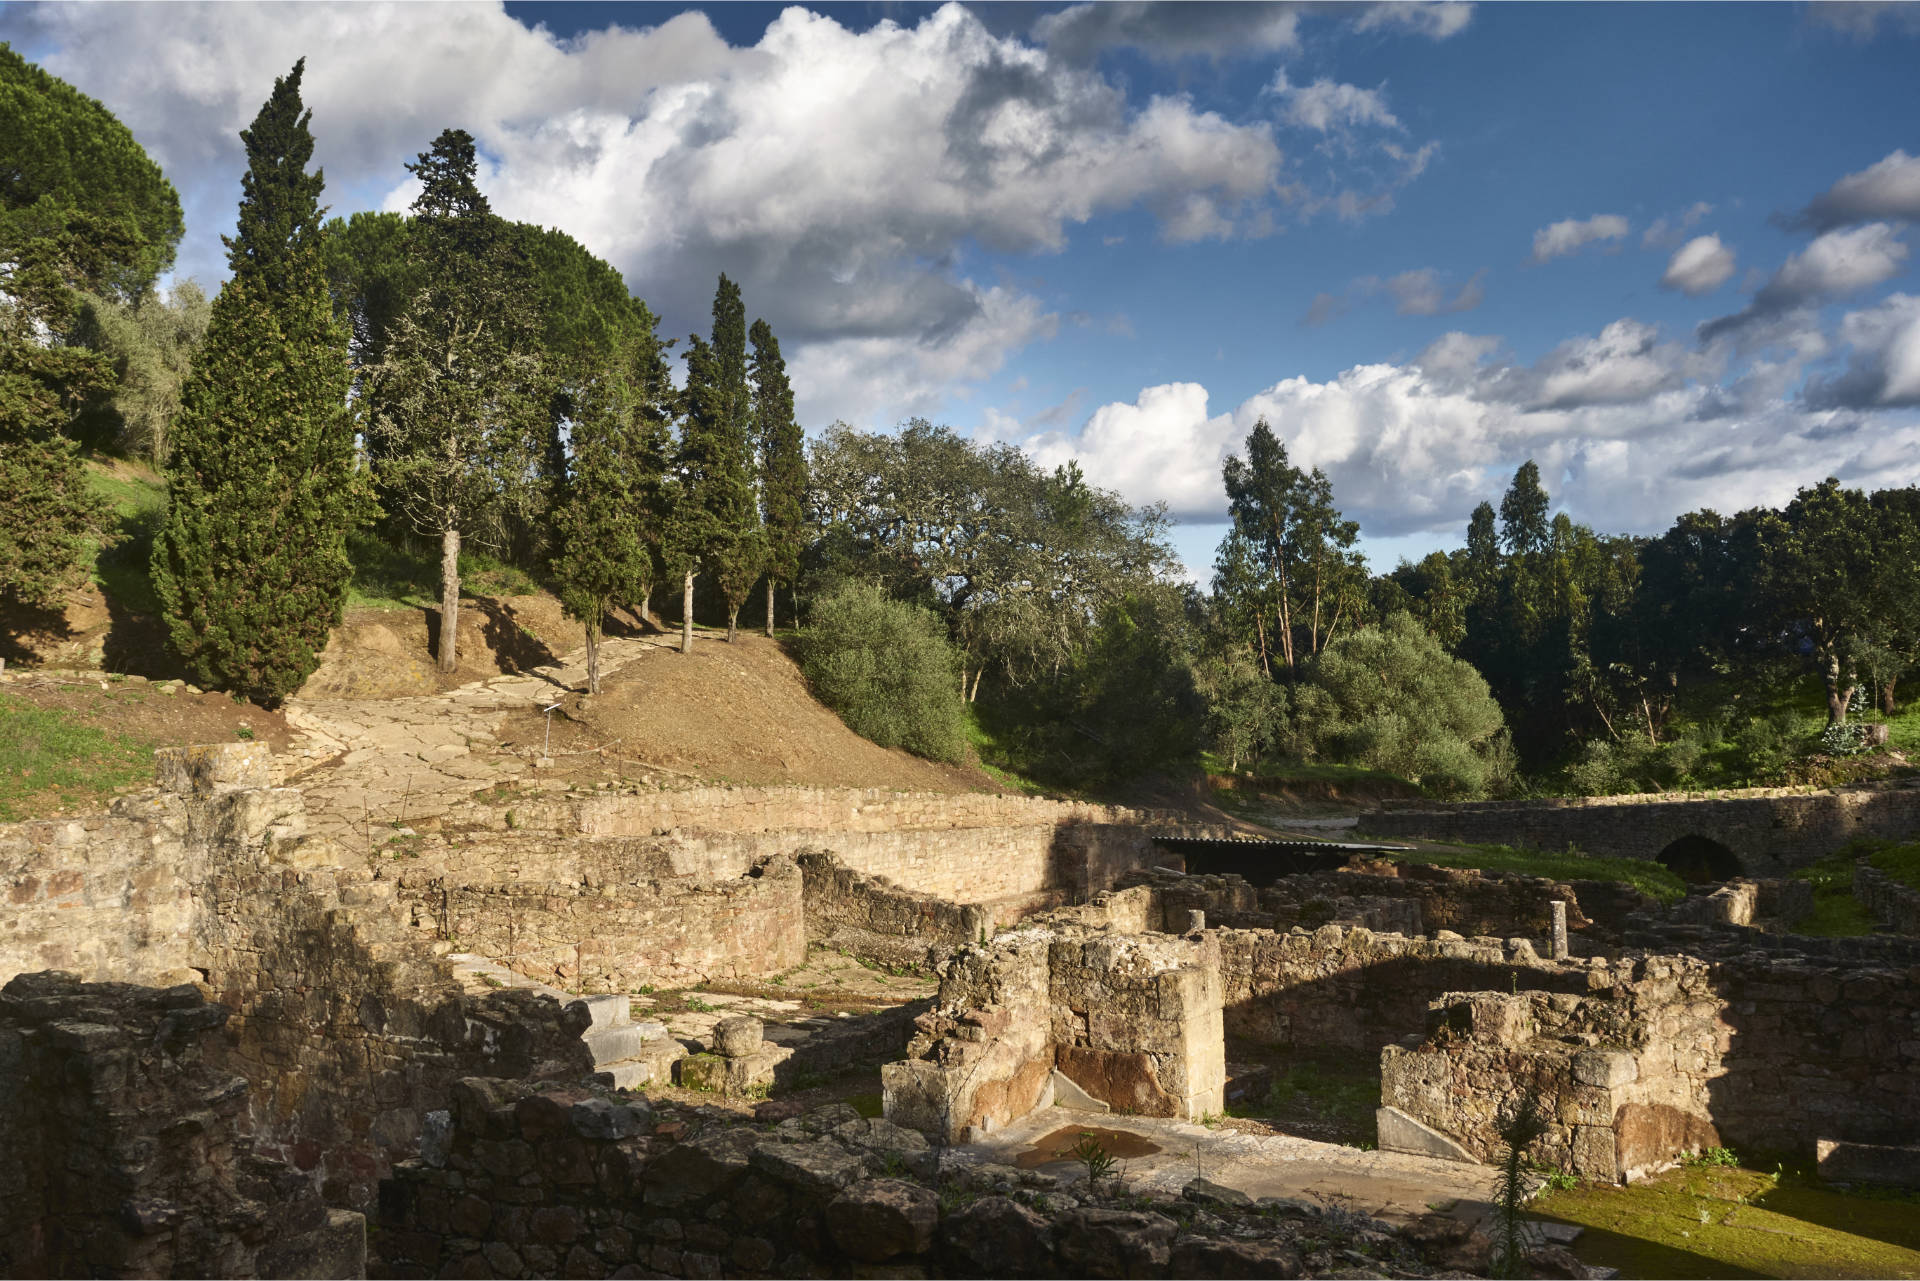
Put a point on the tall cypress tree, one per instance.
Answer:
(609, 507)
(717, 520)
(783, 463)
(251, 568)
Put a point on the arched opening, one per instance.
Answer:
(1699, 860)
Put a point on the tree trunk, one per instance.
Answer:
(686, 616)
(1838, 694)
(593, 656)
(733, 621)
(646, 609)
(769, 606)
(1260, 629)
(449, 599)
(1886, 695)
(975, 691)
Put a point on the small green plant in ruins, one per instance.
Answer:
(1518, 1132)
(1090, 1152)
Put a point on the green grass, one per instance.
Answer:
(138, 495)
(45, 757)
(1900, 862)
(390, 576)
(1643, 874)
(1715, 1221)
(1347, 1098)
(1836, 913)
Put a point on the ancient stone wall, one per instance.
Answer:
(1896, 904)
(967, 848)
(128, 1148)
(875, 920)
(1350, 988)
(622, 936)
(1136, 1021)
(1770, 830)
(983, 1056)
(1667, 1054)
(579, 1184)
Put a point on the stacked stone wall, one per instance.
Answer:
(1136, 1021)
(128, 1147)
(578, 1184)
(1771, 830)
(1895, 904)
(1669, 1054)
(1351, 988)
(875, 920)
(622, 936)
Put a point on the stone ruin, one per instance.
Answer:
(228, 1045)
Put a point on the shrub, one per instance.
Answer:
(887, 669)
(1391, 698)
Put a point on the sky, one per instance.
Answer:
(1664, 250)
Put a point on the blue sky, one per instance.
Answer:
(1663, 249)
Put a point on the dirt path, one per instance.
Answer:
(366, 763)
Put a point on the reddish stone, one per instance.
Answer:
(1128, 1082)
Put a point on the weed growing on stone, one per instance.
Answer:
(1713, 1156)
(1518, 1133)
(1090, 1152)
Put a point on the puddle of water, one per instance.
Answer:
(1058, 1145)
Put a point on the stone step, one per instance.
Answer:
(612, 1044)
(615, 1010)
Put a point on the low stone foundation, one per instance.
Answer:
(129, 1149)
(1895, 904)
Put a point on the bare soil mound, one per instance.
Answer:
(738, 713)
(388, 653)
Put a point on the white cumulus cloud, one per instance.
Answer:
(1569, 234)
(839, 176)
(1327, 105)
(1700, 266)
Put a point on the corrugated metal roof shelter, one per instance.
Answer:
(1260, 861)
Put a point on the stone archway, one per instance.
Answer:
(1700, 860)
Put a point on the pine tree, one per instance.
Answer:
(457, 399)
(251, 568)
(783, 463)
(1524, 527)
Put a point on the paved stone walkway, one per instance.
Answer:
(1394, 1186)
(366, 765)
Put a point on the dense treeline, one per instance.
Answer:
(430, 382)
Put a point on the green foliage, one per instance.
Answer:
(1390, 698)
(64, 151)
(121, 569)
(458, 399)
(1713, 1156)
(150, 346)
(887, 669)
(1246, 709)
(50, 521)
(1290, 548)
(251, 568)
(717, 521)
(1092, 1155)
(612, 487)
(1519, 1130)
(783, 463)
(46, 755)
(1644, 875)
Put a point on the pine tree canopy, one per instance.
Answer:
(64, 151)
(263, 483)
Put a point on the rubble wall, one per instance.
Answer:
(129, 1147)
(620, 937)
(1896, 904)
(875, 920)
(1669, 1054)
(1771, 830)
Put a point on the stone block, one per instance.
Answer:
(1844, 1162)
(738, 1036)
(605, 1119)
(1399, 1132)
(205, 768)
(817, 1170)
(1605, 1069)
(883, 1219)
(1001, 1238)
(701, 1072)
(1114, 1243)
(1070, 1096)
(1208, 1257)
